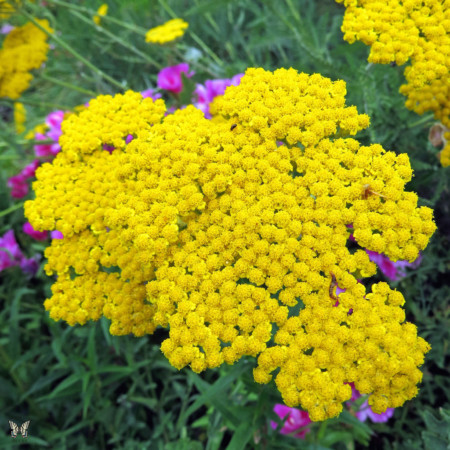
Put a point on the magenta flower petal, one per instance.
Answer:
(170, 78)
(294, 419)
(38, 235)
(18, 186)
(390, 269)
(13, 255)
(31, 265)
(149, 93)
(55, 234)
(212, 88)
(6, 28)
(54, 120)
(30, 170)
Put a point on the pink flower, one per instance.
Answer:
(149, 93)
(29, 170)
(31, 265)
(392, 270)
(6, 28)
(53, 121)
(38, 235)
(18, 186)
(11, 255)
(18, 183)
(55, 234)
(365, 411)
(41, 150)
(295, 419)
(170, 79)
(212, 88)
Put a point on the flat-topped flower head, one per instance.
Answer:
(166, 32)
(25, 48)
(401, 31)
(213, 229)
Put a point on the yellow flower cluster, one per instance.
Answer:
(20, 116)
(414, 30)
(6, 9)
(166, 32)
(101, 12)
(24, 48)
(439, 135)
(213, 229)
(445, 152)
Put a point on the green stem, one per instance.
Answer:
(36, 103)
(313, 52)
(74, 53)
(68, 85)
(116, 39)
(24, 142)
(131, 27)
(12, 208)
(421, 121)
(217, 60)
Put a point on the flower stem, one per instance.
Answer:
(116, 39)
(11, 209)
(37, 103)
(24, 142)
(217, 60)
(68, 85)
(74, 53)
(421, 121)
(128, 26)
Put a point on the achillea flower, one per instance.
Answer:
(295, 421)
(6, 9)
(24, 49)
(212, 88)
(439, 135)
(170, 78)
(398, 31)
(215, 230)
(101, 12)
(20, 115)
(167, 32)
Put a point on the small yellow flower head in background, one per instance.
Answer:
(167, 32)
(213, 229)
(6, 9)
(101, 12)
(20, 115)
(408, 30)
(24, 49)
(440, 136)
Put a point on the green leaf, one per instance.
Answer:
(241, 437)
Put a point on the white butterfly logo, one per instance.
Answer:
(15, 429)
